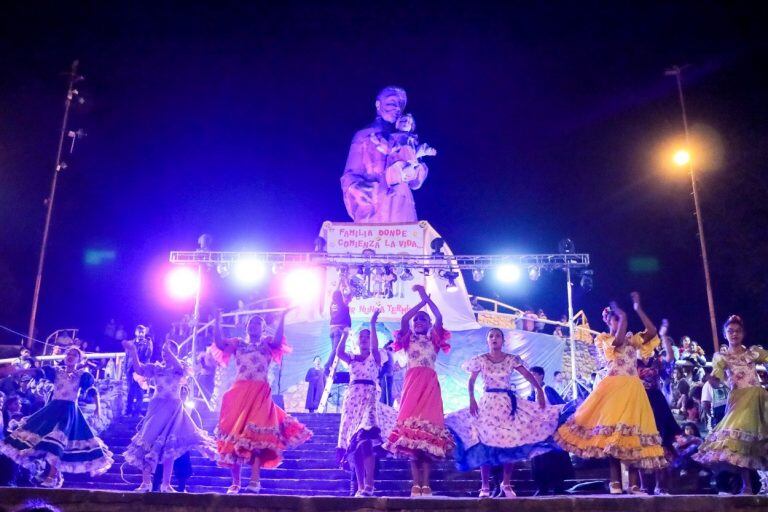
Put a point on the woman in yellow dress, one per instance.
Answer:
(741, 437)
(616, 420)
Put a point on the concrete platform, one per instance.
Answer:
(72, 500)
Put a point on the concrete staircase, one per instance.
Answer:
(309, 470)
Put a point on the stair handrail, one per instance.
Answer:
(518, 314)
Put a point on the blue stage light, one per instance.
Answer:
(508, 273)
(249, 272)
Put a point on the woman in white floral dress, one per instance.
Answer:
(500, 429)
(365, 421)
(167, 431)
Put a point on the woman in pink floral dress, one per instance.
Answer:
(500, 429)
(420, 433)
(365, 421)
(252, 429)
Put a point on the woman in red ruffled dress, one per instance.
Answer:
(252, 429)
(420, 432)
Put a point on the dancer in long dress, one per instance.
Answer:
(616, 420)
(365, 421)
(252, 429)
(167, 431)
(500, 430)
(420, 433)
(741, 438)
(58, 433)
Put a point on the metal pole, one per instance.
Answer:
(196, 322)
(678, 73)
(571, 340)
(71, 92)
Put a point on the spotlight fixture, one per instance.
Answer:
(407, 275)
(566, 246)
(451, 276)
(277, 268)
(426, 271)
(478, 275)
(534, 273)
(586, 281)
(222, 269)
(437, 247)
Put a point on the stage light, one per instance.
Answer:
(223, 269)
(478, 275)
(508, 273)
(302, 285)
(189, 404)
(277, 268)
(407, 275)
(182, 283)
(586, 281)
(320, 244)
(534, 273)
(437, 247)
(249, 271)
(681, 157)
(451, 276)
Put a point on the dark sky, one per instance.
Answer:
(234, 118)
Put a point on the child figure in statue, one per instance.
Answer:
(403, 168)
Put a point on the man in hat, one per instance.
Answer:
(135, 396)
(369, 190)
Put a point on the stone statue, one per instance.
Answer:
(384, 165)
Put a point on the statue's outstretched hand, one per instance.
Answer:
(425, 150)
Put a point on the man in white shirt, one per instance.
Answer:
(714, 398)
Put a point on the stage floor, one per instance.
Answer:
(73, 500)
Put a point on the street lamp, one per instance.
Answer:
(682, 158)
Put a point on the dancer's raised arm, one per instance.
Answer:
(650, 328)
(277, 340)
(667, 341)
(621, 330)
(426, 299)
(405, 323)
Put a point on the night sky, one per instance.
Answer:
(234, 119)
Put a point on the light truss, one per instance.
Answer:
(434, 262)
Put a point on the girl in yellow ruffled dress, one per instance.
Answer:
(616, 420)
(741, 437)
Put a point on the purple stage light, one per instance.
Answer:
(182, 283)
(302, 285)
(249, 272)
